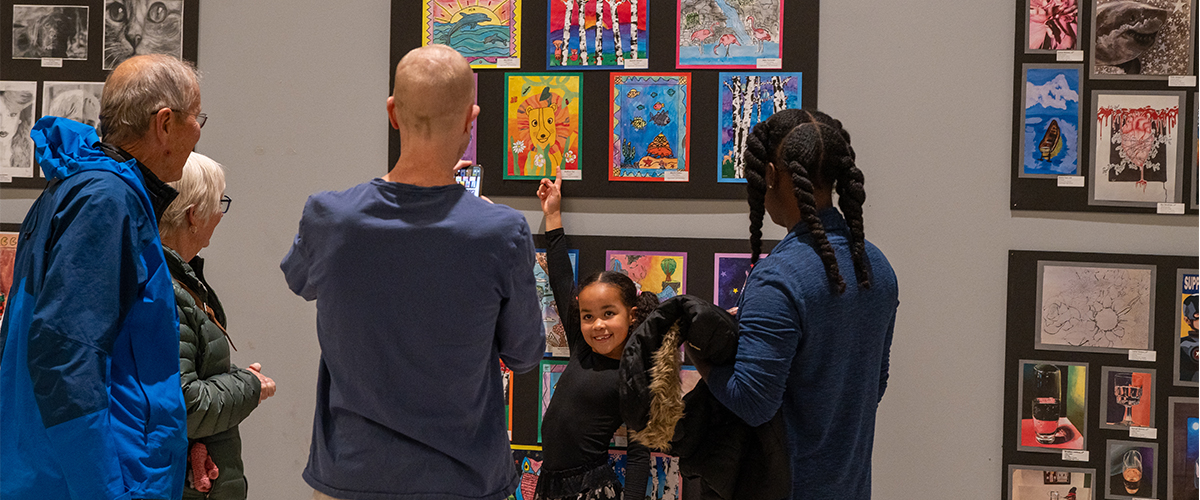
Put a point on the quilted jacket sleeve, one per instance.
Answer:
(218, 402)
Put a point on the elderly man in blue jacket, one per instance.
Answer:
(89, 347)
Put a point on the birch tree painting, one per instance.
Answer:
(595, 34)
(746, 99)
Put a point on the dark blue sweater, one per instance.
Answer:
(420, 292)
(821, 357)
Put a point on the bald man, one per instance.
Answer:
(89, 348)
(421, 290)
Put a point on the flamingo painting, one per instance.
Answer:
(703, 35)
(726, 40)
(760, 35)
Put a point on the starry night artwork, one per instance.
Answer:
(731, 272)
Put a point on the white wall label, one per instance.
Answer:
(1076, 455)
(51, 62)
(1181, 81)
(508, 62)
(1070, 181)
(1136, 355)
(1143, 432)
(5, 178)
(675, 176)
(1170, 208)
(637, 64)
(572, 175)
(769, 63)
(1070, 56)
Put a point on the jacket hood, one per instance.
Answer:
(67, 147)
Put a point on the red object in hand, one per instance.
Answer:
(203, 469)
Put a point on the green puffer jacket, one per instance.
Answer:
(218, 395)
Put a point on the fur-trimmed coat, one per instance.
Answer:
(731, 459)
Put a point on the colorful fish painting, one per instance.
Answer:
(654, 146)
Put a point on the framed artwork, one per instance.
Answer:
(729, 279)
(541, 125)
(50, 31)
(1194, 200)
(618, 29)
(472, 154)
(1051, 117)
(8, 258)
(1186, 322)
(661, 273)
(746, 99)
(16, 120)
(650, 126)
(79, 101)
(665, 481)
(1132, 470)
(1094, 307)
(556, 333)
(1146, 40)
(1137, 152)
(732, 34)
(550, 371)
(506, 377)
(1052, 25)
(483, 31)
(1126, 397)
(1052, 406)
(1182, 455)
(528, 460)
(1035, 482)
(160, 26)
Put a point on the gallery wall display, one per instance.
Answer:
(1182, 456)
(626, 139)
(8, 257)
(1107, 124)
(1090, 339)
(54, 59)
(1186, 323)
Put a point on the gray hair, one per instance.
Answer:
(201, 186)
(130, 97)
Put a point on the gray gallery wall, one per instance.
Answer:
(295, 95)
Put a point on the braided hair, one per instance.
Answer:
(816, 151)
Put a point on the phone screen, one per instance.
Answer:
(470, 178)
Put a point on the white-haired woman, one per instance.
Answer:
(218, 394)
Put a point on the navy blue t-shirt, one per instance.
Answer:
(420, 292)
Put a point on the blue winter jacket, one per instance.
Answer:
(90, 401)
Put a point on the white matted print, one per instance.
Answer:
(1137, 148)
(79, 101)
(1094, 306)
(58, 31)
(1036, 482)
(16, 120)
(136, 27)
(1143, 39)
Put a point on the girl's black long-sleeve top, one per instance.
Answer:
(585, 410)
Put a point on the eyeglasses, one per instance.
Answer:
(225, 201)
(200, 117)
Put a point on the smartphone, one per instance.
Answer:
(470, 177)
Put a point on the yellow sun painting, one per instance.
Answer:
(481, 30)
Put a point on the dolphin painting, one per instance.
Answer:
(469, 20)
(1125, 30)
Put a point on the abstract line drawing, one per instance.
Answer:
(661, 273)
(1143, 39)
(556, 333)
(746, 99)
(651, 116)
(50, 31)
(617, 30)
(481, 30)
(730, 34)
(137, 27)
(1051, 117)
(16, 120)
(1095, 307)
(1136, 154)
(541, 125)
(1052, 25)
(73, 101)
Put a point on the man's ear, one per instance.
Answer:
(162, 125)
(391, 110)
(472, 116)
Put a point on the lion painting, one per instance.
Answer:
(543, 134)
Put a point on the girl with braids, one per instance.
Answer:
(585, 410)
(817, 314)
